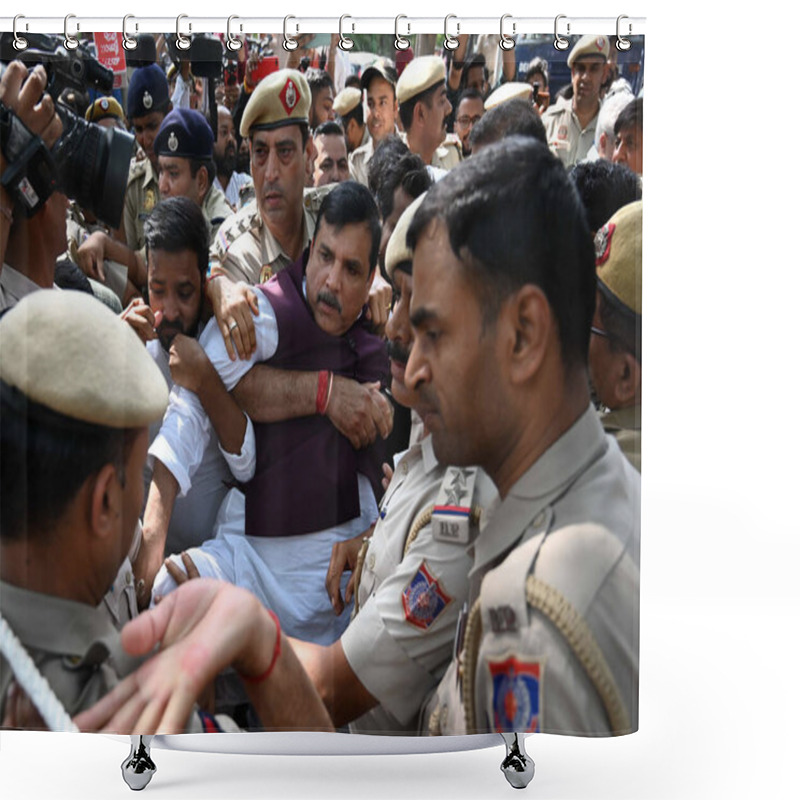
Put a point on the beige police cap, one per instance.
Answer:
(346, 100)
(618, 247)
(105, 108)
(397, 251)
(589, 45)
(514, 90)
(420, 74)
(282, 98)
(70, 353)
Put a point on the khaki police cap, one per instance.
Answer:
(515, 90)
(419, 75)
(346, 100)
(105, 108)
(397, 251)
(589, 45)
(379, 69)
(618, 247)
(282, 98)
(67, 351)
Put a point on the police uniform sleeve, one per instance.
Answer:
(559, 645)
(405, 631)
(237, 246)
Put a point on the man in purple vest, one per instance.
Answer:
(310, 488)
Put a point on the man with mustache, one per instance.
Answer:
(413, 578)
(309, 487)
(424, 108)
(571, 124)
(176, 242)
(228, 180)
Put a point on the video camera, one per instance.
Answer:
(89, 163)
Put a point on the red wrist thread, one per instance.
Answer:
(275, 653)
(322, 390)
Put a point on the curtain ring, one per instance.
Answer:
(20, 43)
(506, 42)
(289, 43)
(451, 42)
(182, 42)
(128, 42)
(400, 42)
(70, 42)
(623, 43)
(233, 43)
(345, 43)
(560, 42)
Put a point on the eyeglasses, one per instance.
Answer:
(464, 121)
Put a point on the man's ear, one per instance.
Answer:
(529, 322)
(310, 150)
(105, 502)
(628, 379)
(202, 182)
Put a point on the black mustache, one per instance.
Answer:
(397, 352)
(329, 299)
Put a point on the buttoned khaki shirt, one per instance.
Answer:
(141, 198)
(413, 586)
(557, 569)
(566, 138)
(359, 162)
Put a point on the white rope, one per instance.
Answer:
(32, 681)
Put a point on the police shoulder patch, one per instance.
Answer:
(424, 598)
(516, 694)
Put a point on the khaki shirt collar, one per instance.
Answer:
(272, 249)
(545, 481)
(62, 627)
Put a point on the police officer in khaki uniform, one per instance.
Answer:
(348, 107)
(514, 90)
(499, 362)
(270, 234)
(379, 81)
(571, 124)
(69, 520)
(410, 578)
(424, 108)
(615, 349)
(185, 149)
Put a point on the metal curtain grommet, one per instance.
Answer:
(345, 43)
(233, 43)
(128, 41)
(289, 43)
(400, 42)
(70, 42)
(623, 44)
(560, 42)
(451, 42)
(506, 42)
(182, 42)
(20, 42)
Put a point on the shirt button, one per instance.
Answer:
(404, 468)
(371, 561)
(128, 578)
(539, 519)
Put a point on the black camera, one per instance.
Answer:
(89, 163)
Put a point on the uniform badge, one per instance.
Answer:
(424, 599)
(266, 273)
(147, 100)
(562, 132)
(289, 96)
(104, 104)
(516, 695)
(172, 142)
(450, 521)
(600, 43)
(602, 243)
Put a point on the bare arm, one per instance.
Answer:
(343, 694)
(100, 246)
(454, 76)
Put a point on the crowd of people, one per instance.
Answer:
(340, 426)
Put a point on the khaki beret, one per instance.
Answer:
(515, 90)
(105, 108)
(67, 351)
(589, 45)
(346, 100)
(618, 247)
(419, 75)
(282, 98)
(397, 251)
